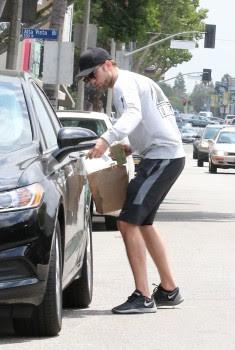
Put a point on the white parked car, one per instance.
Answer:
(99, 123)
(222, 150)
(229, 119)
(206, 114)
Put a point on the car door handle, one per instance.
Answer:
(74, 158)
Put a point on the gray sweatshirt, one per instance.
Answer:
(145, 116)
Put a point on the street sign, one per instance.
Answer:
(46, 34)
(182, 44)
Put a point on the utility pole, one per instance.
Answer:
(84, 41)
(109, 94)
(14, 34)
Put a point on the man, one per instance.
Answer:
(147, 118)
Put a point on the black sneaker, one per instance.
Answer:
(166, 298)
(137, 303)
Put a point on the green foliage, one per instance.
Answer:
(171, 16)
(200, 96)
(132, 20)
(174, 97)
(179, 85)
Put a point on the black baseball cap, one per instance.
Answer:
(90, 59)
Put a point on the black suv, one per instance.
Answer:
(45, 210)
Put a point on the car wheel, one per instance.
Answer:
(79, 292)
(200, 162)
(110, 223)
(212, 168)
(46, 318)
(194, 154)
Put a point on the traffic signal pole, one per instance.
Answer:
(161, 41)
(209, 40)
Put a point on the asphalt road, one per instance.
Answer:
(197, 221)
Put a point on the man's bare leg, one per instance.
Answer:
(136, 252)
(157, 251)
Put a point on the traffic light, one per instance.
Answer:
(206, 75)
(209, 40)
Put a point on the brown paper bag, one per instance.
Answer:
(108, 187)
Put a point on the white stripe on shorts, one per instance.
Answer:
(146, 185)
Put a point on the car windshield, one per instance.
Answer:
(226, 137)
(96, 125)
(210, 133)
(187, 130)
(15, 127)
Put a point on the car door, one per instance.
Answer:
(68, 176)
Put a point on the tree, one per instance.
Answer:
(170, 16)
(200, 97)
(179, 85)
(132, 21)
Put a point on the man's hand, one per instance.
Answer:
(98, 150)
(127, 150)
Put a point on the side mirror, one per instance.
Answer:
(73, 139)
(210, 141)
(72, 136)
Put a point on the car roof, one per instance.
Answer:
(215, 126)
(83, 114)
(229, 128)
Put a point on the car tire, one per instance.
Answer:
(195, 154)
(199, 163)
(46, 319)
(79, 293)
(212, 168)
(110, 223)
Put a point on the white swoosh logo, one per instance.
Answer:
(171, 296)
(148, 303)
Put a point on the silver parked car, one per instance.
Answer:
(222, 150)
(188, 134)
(201, 146)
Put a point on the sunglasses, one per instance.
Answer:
(91, 75)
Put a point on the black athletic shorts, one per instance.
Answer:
(147, 190)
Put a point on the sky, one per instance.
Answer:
(221, 59)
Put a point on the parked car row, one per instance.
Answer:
(216, 146)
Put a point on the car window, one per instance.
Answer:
(49, 108)
(96, 125)
(226, 137)
(46, 125)
(210, 133)
(15, 127)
